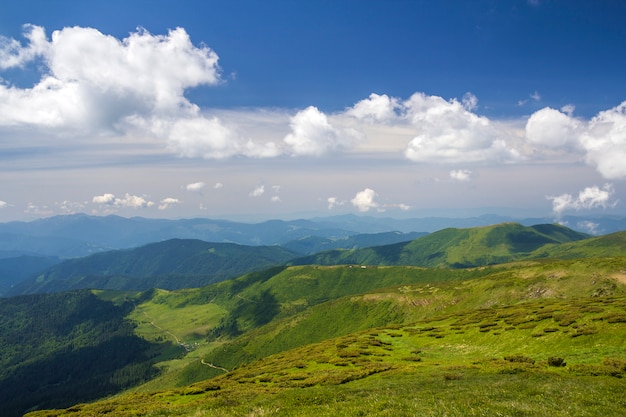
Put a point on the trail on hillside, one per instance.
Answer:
(213, 366)
(156, 326)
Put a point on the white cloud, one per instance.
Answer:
(312, 134)
(334, 201)
(93, 80)
(70, 207)
(589, 198)
(375, 108)
(14, 54)
(167, 203)
(365, 200)
(604, 141)
(469, 101)
(195, 186)
(448, 133)
(258, 191)
(218, 185)
(197, 137)
(536, 96)
(3, 204)
(275, 199)
(129, 200)
(103, 199)
(461, 175)
(589, 226)
(552, 128)
(568, 109)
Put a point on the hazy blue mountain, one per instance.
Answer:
(172, 264)
(80, 234)
(16, 269)
(313, 244)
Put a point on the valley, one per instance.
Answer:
(503, 319)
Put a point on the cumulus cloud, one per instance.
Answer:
(129, 200)
(167, 203)
(334, 201)
(447, 132)
(365, 200)
(604, 141)
(92, 78)
(552, 128)
(258, 191)
(103, 199)
(375, 108)
(195, 186)
(3, 204)
(218, 185)
(461, 174)
(589, 198)
(312, 134)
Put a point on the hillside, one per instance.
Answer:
(313, 317)
(172, 264)
(536, 336)
(59, 349)
(456, 248)
(14, 270)
(313, 244)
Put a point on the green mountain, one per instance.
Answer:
(313, 244)
(172, 264)
(455, 247)
(59, 349)
(536, 336)
(545, 336)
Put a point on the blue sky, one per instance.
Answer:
(277, 109)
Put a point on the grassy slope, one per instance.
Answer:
(478, 362)
(456, 247)
(172, 264)
(562, 295)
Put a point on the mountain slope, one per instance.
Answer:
(313, 244)
(58, 349)
(538, 336)
(176, 263)
(455, 247)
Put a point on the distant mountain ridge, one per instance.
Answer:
(172, 264)
(456, 248)
(77, 235)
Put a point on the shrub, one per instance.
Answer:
(556, 361)
(519, 359)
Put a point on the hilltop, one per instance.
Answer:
(456, 248)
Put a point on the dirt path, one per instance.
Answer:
(210, 365)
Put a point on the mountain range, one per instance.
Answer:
(497, 318)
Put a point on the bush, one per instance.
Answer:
(556, 361)
(519, 359)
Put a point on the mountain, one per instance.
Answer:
(14, 270)
(455, 247)
(326, 341)
(172, 264)
(80, 234)
(58, 349)
(312, 244)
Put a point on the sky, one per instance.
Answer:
(253, 110)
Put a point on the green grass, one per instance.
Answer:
(444, 366)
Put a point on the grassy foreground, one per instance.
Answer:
(559, 357)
